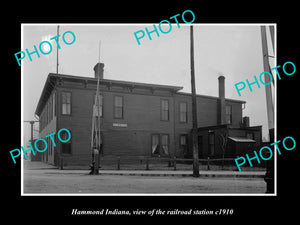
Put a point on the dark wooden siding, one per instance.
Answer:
(142, 118)
(48, 121)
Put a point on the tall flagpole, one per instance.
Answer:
(99, 51)
(96, 136)
(98, 108)
(194, 111)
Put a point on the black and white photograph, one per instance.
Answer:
(110, 116)
(172, 113)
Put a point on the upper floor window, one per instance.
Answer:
(183, 112)
(66, 103)
(118, 107)
(164, 109)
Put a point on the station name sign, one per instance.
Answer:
(120, 125)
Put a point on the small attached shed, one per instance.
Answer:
(213, 140)
(239, 146)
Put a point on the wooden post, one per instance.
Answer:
(147, 163)
(96, 165)
(61, 163)
(269, 176)
(174, 162)
(119, 162)
(208, 166)
(222, 163)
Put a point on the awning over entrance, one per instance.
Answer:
(242, 139)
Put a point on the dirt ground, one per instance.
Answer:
(51, 181)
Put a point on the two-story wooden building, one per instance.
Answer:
(137, 119)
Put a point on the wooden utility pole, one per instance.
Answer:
(57, 50)
(272, 36)
(269, 176)
(268, 88)
(194, 112)
(31, 127)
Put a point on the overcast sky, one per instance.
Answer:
(232, 50)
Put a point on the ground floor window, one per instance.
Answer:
(155, 144)
(183, 140)
(183, 143)
(250, 136)
(165, 144)
(160, 144)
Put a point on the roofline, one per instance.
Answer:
(228, 126)
(213, 97)
(93, 79)
(48, 86)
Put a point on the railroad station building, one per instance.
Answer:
(139, 119)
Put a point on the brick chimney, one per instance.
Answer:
(98, 68)
(222, 105)
(246, 121)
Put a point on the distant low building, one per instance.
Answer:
(38, 155)
(137, 119)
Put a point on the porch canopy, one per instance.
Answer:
(242, 139)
